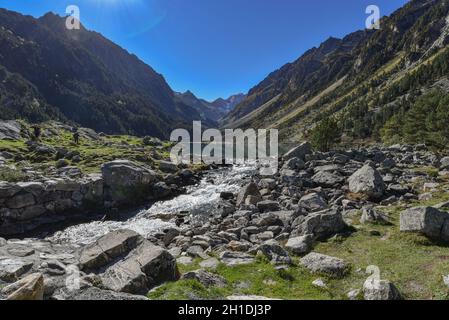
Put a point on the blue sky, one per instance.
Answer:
(215, 48)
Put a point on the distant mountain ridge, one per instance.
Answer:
(50, 72)
(363, 79)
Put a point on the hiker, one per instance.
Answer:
(76, 136)
(36, 132)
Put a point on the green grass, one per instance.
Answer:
(259, 278)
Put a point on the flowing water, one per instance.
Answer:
(199, 199)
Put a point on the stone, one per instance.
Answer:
(327, 179)
(371, 215)
(319, 283)
(446, 280)
(206, 278)
(444, 163)
(300, 245)
(295, 164)
(107, 248)
(367, 181)
(267, 183)
(249, 298)
(313, 202)
(20, 251)
(10, 130)
(380, 290)
(248, 190)
(321, 225)
(238, 246)
(142, 269)
(268, 205)
(196, 252)
(231, 258)
(12, 269)
(32, 212)
(354, 294)
(21, 201)
(273, 252)
(211, 263)
(300, 152)
(29, 288)
(185, 260)
(95, 294)
(428, 221)
(320, 263)
(125, 180)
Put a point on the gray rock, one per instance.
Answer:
(300, 152)
(142, 269)
(206, 278)
(313, 202)
(21, 201)
(327, 179)
(211, 263)
(295, 164)
(321, 225)
(268, 205)
(231, 258)
(444, 163)
(273, 252)
(124, 181)
(330, 266)
(185, 260)
(248, 190)
(426, 220)
(300, 245)
(29, 288)
(371, 215)
(380, 290)
(10, 130)
(12, 269)
(108, 248)
(367, 181)
(95, 294)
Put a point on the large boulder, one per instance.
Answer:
(300, 245)
(429, 221)
(374, 289)
(10, 130)
(273, 252)
(108, 248)
(320, 263)
(300, 152)
(126, 262)
(367, 181)
(250, 190)
(206, 278)
(321, 225)
(127, 182)
(29, 288)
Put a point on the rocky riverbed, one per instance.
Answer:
(301, 222)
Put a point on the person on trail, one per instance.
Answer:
(36, 132)
(76, 136)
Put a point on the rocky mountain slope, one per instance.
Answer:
(363, 79)
(214, 110)
(49, 72)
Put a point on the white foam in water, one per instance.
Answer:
(199, 199)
